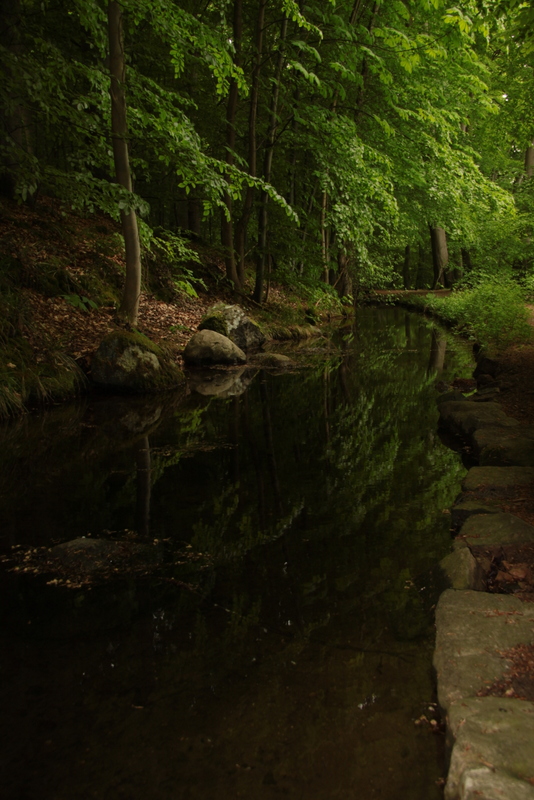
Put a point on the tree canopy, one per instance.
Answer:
(323, 140)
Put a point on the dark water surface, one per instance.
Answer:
(260, 623)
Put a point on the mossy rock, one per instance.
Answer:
(130, 362)
(232, 322)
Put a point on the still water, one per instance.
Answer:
(253, 615)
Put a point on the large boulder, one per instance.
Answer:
(208, 347)
(131, 362)
(231, 321)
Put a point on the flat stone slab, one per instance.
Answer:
(472, 627)
(493, 752)
(466, 417)
(466, 508)
(496, 481)
(488, 530)
(498, 446)
(483, 783)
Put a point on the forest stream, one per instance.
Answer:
(250, 613)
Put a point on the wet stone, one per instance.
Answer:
(464, 418)
(483, 783)
(496, 481)
(492, 750)
(466, 508)
(488, 530)
(497, 446)
(472, 629)
(462, 570)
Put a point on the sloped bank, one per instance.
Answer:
(489, 718)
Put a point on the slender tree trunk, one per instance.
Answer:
(406, 267)
(143, 487)
(194, 216)
(365, 68)
(438, 347)
(343, 282)
(420, 267)
(129, 307)
(529, 160)
(227, 231)
(242, 224)
(440, 254)
(324, 238)
(261, 258)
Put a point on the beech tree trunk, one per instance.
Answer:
(143, 487)
(529, 160)
(129, 307)
(262, 256)
(440, 254)
(438, 349)
(227, 228)
(194, 216)
(406, 267)
(242, 224)
(365, 67)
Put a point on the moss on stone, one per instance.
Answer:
(214, 322)
(130, 361)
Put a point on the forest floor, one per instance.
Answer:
(61, 278)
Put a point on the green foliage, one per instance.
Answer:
(388, 118)
(173, 259)
(493, 312)
(79, 302)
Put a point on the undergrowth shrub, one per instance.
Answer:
(493, 312)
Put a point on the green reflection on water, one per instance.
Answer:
(298, 656)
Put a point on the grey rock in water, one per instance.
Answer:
(131, 362)
(209, 347)
(232, 322)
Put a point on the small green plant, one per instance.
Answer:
(172, 252)
(80, 302)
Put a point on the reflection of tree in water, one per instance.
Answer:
(438, 347)
(347, 450)
(143, 487)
